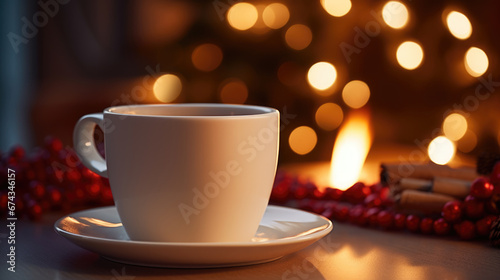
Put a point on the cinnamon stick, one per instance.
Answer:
(422, 201)
(448, 186)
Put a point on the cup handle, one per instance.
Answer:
(84, 144)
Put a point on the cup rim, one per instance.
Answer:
(257, 110)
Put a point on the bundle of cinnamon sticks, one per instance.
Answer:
(426, 187)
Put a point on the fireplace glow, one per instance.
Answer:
(350, 150)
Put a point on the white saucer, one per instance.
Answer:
(282, 231)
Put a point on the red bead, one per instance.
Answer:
(34, 210)
(88, 174)
(474, 207)
(93, 190)
(375, 188)
(372, 200)
(495, 175)
(17, 152)
(385, 195)
(340, 212)
(441, 227)
(385, 219)
(30, 174)
(53, 144)
(399, 221)
(73, 175)
(333, 194)
(483, 226)
(413, 223)
(37, 190)
(328, 213)
(466, 230)
(481, 188)
(426, 225)
(357, 193)
(371, 215)
(318, 194)
(300, 191)
(452, 211)
(279, 193)
(55, 197)
(356, 215)
(79, 195)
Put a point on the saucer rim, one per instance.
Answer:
(273, 242)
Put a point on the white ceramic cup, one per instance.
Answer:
(185, 172)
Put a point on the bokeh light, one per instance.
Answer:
(441, 150)
(275, 15)
(242, 16)
(233, 91)
(459, 25)
(468, 142)
(356, 94)
(167, 88)
(329, 116)
(302, 140)
(322, 75)
(409, 55)
(336, 8)
(298, 36)
(476, 62)
(395, 14)
(206, 57)
(454, 126)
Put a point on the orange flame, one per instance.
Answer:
(350, 150)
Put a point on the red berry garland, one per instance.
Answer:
(372, 206)
(48, 179)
